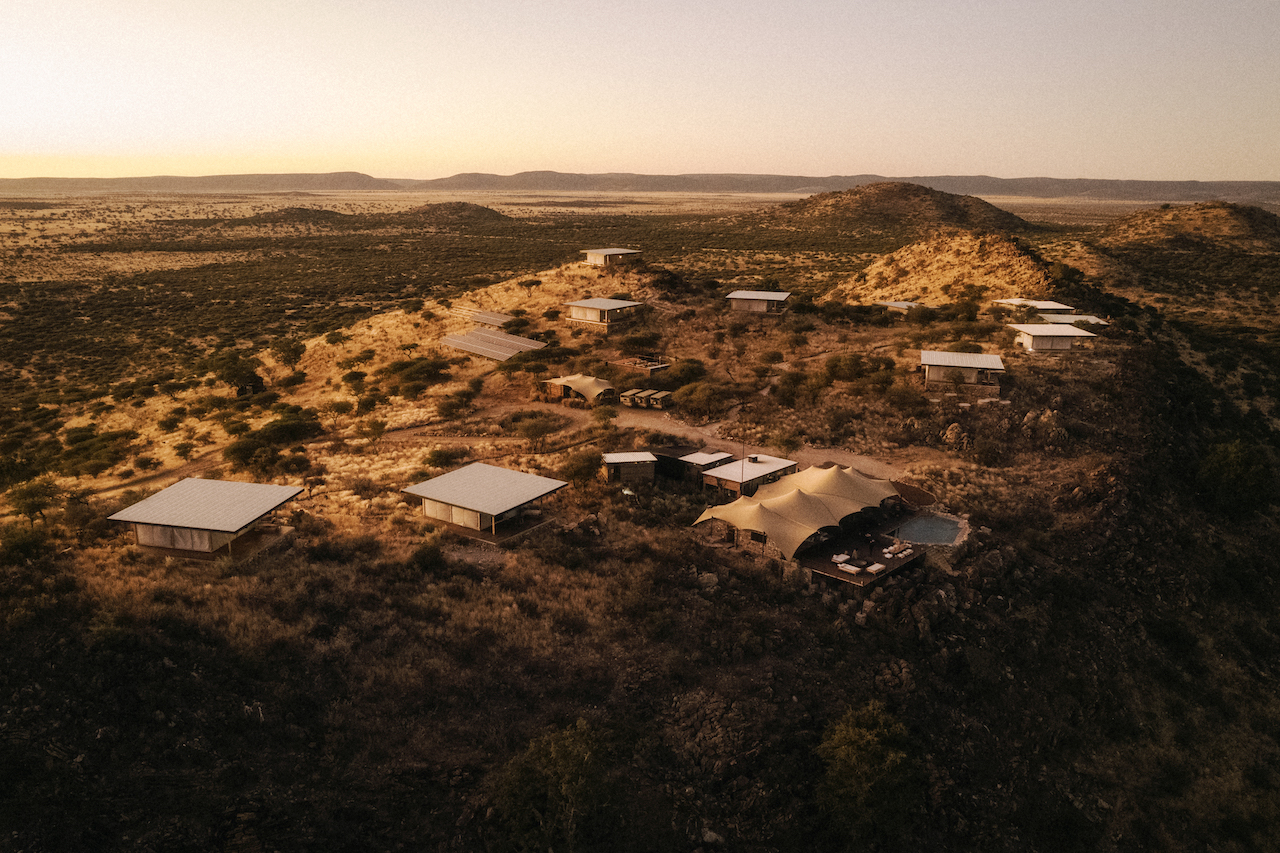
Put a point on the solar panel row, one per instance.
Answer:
(496, 345)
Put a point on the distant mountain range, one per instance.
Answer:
(1246, 192)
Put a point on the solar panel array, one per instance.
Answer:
(496, 345)
(478, 315)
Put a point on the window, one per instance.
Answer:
(756, 536)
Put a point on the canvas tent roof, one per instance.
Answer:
(486, 488)
(1051, 330)
(982, 361)
(797, 506)
(221, 505)
(588, 386)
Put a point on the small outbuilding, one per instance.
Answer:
(480, 496)
(696, 463)
(1041, 337)
(744, 476)
(601, 312)
(610, 257)
(972, 368)
(582, 387)
(633, 466)
(203, 517)
(759, 301)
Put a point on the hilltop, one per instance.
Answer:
(946, 268)
(893, 208)
(1215, 222)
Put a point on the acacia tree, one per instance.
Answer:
(33, 497)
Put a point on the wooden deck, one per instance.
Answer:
(865, 551)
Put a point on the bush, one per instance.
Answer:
(871, 784)
(546, 793)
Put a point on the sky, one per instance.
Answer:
(1119, 89)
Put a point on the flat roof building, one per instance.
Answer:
(1038, 304)
(1072, 319)
(601, 312)
(759, 301)
(203, 516)
(973, 368)
(630, 466)
(744, 476)
(610, 257)
(1039, 337)
(480, 496)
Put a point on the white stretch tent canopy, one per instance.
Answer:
(798, 505)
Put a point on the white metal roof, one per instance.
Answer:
(765, 295)
(611, 251)
(1074, 318)
(221, 505)
(980, 360)
(703, 457)
(1051, 330)
(892, 304)
(744, 470)
(486, 488)
(1038, 304)
(602, 304)
(629, 456)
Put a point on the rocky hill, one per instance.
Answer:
(942, 269)
(893, 208)
(1218, 222)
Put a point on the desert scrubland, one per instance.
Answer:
(1092, 670)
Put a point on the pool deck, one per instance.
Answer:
(865, 551)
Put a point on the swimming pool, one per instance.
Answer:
(929, 530)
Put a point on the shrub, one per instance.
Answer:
(546, 793)
(871, 784)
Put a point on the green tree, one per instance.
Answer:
(33, 497)
(288, 350)
(872, 784)
(546, 793)
(582, 467)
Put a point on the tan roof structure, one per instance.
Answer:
(588, 387)
(797, 506)
(609, 257)
(491, 343)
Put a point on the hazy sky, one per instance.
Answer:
(1151, 89)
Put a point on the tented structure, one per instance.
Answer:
(202, 516)
(587, 387)
(787, 512)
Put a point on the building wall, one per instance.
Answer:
(181, 538)
(631, 472)
(1040, 344)
(452, 514)
(585, 314)
(755, 306)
